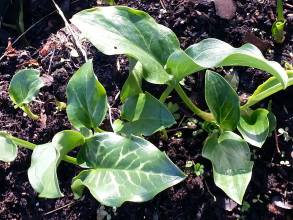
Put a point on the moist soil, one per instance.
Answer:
(52, 51)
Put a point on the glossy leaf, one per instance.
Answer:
(86, 98)
(230, 157)
(123, 30)
(25, 86)
(222, 101)
(8, 149)
(124, 169)
(132, 85)
(269, 87)
(42, 173)
(144, 115)
(180, 65)
(254, 127)
(211, 52)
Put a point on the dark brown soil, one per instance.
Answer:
(192, 21)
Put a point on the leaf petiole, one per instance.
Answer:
(29, 113)
(166, 93)
(31, 146)
(202, 114)
(280, 12)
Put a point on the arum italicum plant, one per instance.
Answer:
(121, 165)
(155, 56)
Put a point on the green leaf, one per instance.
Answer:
(86, 98)
(272, 122)
(230, 157)
(42, 173)
(180, 65)
(132, 85)
(145, 115)
(123, 30)
(254, 127)
(211, 52)
(8, 149)
(278, 32)
(222, 100)
(124, 169)
(268, 88)
(25, 86)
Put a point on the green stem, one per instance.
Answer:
(31, 146)
(29, 113)
(166, 93)
(202, 114)
(280, 11)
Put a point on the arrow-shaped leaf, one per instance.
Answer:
(124, 169)
(86, 98)
(222, 100)
(123, 30)
(230, 157)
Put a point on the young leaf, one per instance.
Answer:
(42, 173)
(230, 157)
(222, 101)
(269, 87)
(145, 115)
(278, 32)
(254, 127)
(123, 30)
(8, 149)
(212, 52)
(24, 86)
(86, 98)
(124, 169)
(132, 85)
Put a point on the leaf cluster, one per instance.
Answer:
(122, 166)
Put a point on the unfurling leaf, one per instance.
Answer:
(144, 115)
(42, 173)
(24, 86)
(123, 30)
(8, 149)
(268, 88)
(254, 127)
(124, 169)
(86, 98)
(222, 101)
(230, 157)
(278, 32)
